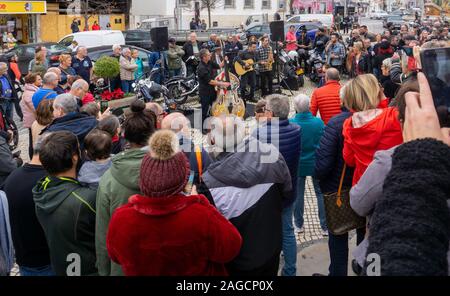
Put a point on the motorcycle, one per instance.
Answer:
(181, 88)
(148, 90)
(316, 62)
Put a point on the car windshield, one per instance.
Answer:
(395, 19)
(56, 47)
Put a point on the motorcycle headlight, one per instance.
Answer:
(133, 85)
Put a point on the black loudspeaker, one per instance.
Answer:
(160, 38)
(277, 31)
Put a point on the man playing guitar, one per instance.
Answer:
(246, 59)
(265, 61)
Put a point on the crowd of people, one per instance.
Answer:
(140, 197)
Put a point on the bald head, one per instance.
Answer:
(176, 122)
(332, 74)
(55, 70)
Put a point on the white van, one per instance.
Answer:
(91, 39)
(325, 19)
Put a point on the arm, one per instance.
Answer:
(365, 194)
(102, 221)
(224, 239)
(314, 106)
(128, 65)
(327, 152)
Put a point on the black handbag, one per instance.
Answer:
(340, 216)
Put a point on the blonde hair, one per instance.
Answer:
(64, 57)
(359, 45)
(361, 93)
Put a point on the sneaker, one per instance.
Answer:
(357, 269)
(300, 230)
(324, 232)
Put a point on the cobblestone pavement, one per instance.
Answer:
(313, 231)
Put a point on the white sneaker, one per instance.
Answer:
(324, 232)
(300, 230)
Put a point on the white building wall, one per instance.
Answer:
(225, 17)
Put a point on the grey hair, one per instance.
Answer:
(387, 63)
(301, 103)
(49, 78)
(66, 102)
(116, 46)
(227, 132)
(279, 105)
(38, 145)
(79, 48)
(78, 84)
(125, 50)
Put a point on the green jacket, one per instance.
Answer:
(66, 211)
(118, 183)
(174, 55)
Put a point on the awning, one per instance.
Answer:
(23, 7)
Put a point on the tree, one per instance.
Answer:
(209, 5)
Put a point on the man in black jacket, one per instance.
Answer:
(66, 209)
(192, 53)
(233, 47)
(30, 245)
(249, 78)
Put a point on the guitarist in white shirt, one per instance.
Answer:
(246, 59)
(265, 61)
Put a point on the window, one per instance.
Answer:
(183, 3)
(67, 41)
(266, 4)
(249, 3)
(229, 4)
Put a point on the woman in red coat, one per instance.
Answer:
(370, 128)
(95, 26)
(164, 231)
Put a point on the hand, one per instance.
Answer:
(105, 114)
(10, 136)
(421, 119)
(194, 190)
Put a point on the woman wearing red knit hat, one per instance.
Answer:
(164, 231)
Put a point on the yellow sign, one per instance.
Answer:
(23, 7)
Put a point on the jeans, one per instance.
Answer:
(174, 72)
(36, 271)
(115, 83)
(248, 79)
(7, 106)
(300, 203)
(266, 83)
(338, 248)
(127, 86)
(289, 243)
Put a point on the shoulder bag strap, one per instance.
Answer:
(338, 200)
(198, 155)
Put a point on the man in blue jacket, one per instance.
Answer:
(287, 138)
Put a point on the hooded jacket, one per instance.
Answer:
(360, 144)
(119, 182)
(79, 123)
(248, 189)
(92, 171)
(27, 105)
(172, 235)
(66, 211)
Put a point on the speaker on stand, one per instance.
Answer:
(160, 43)
(276, 36)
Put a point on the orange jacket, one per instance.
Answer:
(326, 100)
(360, 144)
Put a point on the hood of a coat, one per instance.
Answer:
(50, 192)
(368, 136)
(126, 167)
(162, 206)
(30, 87)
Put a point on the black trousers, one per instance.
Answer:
(30, 144)
(266, 83)
(338, 248)
(270, 268)
(206, 102)
(249, 79)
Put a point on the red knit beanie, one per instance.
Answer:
(165, 171)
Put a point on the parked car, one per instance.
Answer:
(258, 31)
(326, 19)
(25, 53)
(92, 39)
(395, 21)
(97, 52)
(378, 15)
(139, 38)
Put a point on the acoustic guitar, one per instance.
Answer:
(242, 70)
